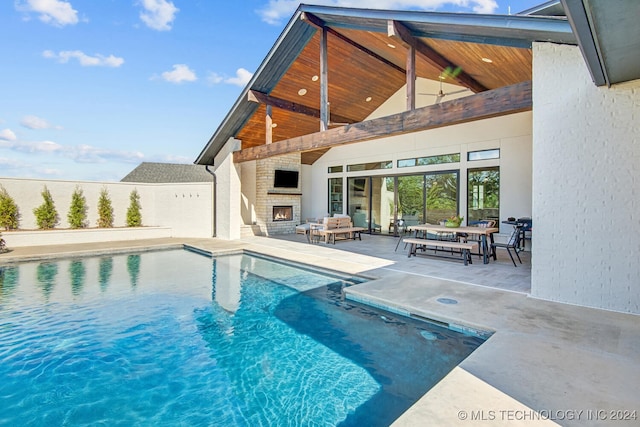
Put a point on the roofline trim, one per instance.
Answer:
(579, 20)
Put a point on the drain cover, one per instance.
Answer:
(447, 301)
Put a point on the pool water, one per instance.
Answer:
(177, 338)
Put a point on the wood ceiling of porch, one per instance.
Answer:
(363, 72)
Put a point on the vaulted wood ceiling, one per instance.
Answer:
(366, 66)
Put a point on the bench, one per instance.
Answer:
(337, 226)
(464, 247)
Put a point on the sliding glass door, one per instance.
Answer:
(441, 191)
(389, 204)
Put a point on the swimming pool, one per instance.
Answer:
(177, 338)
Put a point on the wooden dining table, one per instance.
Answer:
(483, 232)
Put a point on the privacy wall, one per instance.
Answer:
(185, 207)
(586, 200)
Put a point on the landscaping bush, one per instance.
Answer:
(46, 214)
(9, 212)
(105, 210)
(134, 217)
(77, 215)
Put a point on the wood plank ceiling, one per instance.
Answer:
(365, 69)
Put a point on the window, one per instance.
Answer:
(335, 196)
(370, 166)
(483, 155)
(483, 201)
(335, 169)
(430, 160)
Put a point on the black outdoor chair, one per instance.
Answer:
(512, 243)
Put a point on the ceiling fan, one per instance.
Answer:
(441, 94)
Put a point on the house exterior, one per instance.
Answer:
(387, 116)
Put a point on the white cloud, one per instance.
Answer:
(88, 154)
(34, 122)
(241, 79)
(83, 59)
(54, 12)
(79, 154)
(7, 135)
(181, 73)
(214, 78)
(278, 10)
(158, 14)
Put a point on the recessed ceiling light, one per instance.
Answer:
(314, 78)
(487, 60)
(302, 92)
(368, 99)
(392, 46)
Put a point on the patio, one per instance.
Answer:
(500, 274)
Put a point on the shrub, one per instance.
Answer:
(105, 210)
(134, 217)
(9, 212)
(77, 215)
(46, 214)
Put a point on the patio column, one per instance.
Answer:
(228, 192)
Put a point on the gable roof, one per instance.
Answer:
(364, 70)
(150, 172)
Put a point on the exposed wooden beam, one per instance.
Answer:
(319, 23)
(324, 81)
(263, 98)
(484, 105)
(400, 33)
(268, 123)
(411, 78)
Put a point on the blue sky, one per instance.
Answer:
(91, 88)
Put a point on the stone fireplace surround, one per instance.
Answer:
(267, 197)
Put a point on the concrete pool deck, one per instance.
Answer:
(574, 365)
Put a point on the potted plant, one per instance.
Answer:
(454, 221)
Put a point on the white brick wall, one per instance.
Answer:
(586, 201)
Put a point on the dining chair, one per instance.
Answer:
(512, 243)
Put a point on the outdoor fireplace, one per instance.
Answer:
(283, 213)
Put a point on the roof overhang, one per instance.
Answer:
(609, 37)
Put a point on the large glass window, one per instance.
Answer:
(483, 199)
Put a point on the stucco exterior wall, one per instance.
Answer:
(185, 208)
(586, 200)
(511, 134)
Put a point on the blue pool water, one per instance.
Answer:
(176, 338)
